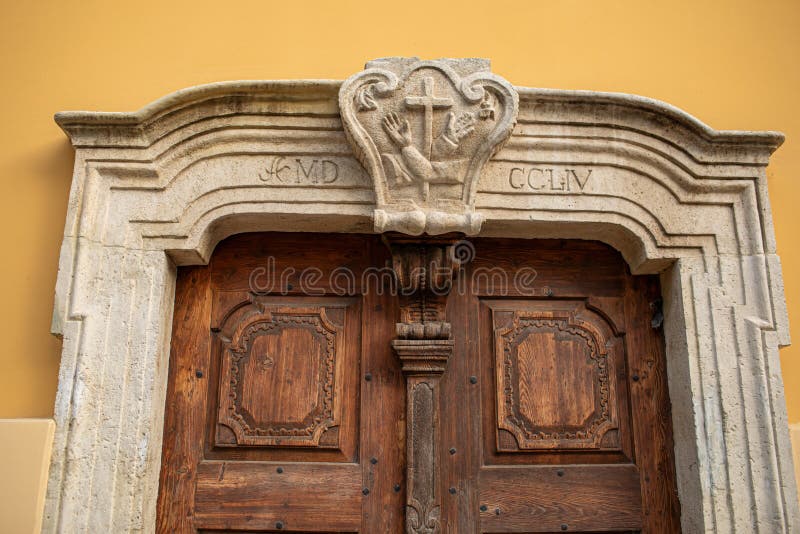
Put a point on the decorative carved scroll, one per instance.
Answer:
(424, 272)
(423, 130)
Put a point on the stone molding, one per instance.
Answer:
(162, 186)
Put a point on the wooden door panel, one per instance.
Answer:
(650, 408)
(278, 380)
(287, 375)
(554, 388)
(304, 497)
(263, 430)
(546, 498)
(286, 407)
(561, 268)
(566, 436)
(186, 406)
(556, 377)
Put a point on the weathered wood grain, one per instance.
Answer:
(303, 496)
(587, 498)
(650, 408)
(184, 422)
(355, 477)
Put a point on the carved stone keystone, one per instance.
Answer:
(423, 130)
(425, 271)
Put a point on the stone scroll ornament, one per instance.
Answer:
(423, 130)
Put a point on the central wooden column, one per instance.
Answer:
(425, 269)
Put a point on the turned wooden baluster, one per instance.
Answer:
(425, 269)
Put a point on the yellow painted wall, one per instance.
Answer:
(25, 446)
(733, 64)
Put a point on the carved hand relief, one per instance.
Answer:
(424, 130)
(555, 383)
(278, 379)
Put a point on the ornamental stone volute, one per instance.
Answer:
(423, 130)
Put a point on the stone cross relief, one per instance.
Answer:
(430, 165)
(428, 102)
(423, 130)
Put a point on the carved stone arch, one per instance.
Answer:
(160, 187)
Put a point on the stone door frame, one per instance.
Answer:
(160, 187)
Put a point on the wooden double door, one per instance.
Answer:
(287, 405)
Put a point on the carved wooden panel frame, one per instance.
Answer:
(325, 413)
(509, 378)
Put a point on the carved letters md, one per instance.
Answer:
(424, 130)
(289, 170)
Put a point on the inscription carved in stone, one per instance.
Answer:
(285, 170)
(523, 178)
(424, 130)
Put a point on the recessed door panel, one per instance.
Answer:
(556, 377)
(287, 370)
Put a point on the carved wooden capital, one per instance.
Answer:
(423, 356)
(424, 269)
